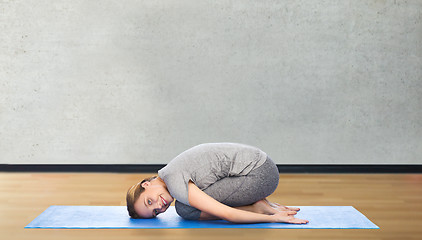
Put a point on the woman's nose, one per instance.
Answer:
(159, 204)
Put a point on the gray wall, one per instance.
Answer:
(309, 82)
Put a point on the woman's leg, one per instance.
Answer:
(243, 192)
(246, 190)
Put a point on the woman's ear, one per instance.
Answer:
(146, 184)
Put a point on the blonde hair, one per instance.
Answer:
(133, 194)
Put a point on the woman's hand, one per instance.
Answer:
(288, 217)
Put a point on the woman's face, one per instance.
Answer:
(154, 200)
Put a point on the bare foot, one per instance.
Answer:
(263, 207)
(280, 207)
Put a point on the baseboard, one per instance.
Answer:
(152, 168)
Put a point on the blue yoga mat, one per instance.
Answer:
(83, 217)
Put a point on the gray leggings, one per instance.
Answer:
(238, 191)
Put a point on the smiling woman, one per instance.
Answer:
(227, 181)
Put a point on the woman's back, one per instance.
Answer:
(207, 163)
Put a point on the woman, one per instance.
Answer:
(210, 181)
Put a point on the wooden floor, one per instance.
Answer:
(391, 201)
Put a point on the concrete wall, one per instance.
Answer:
(309, 82)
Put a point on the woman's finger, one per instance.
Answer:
(294, 208)
(299, 221)
(291, 213)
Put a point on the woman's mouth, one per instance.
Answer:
(164, 201)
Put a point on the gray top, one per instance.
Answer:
(206, 163)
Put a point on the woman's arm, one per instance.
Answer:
(200, 200)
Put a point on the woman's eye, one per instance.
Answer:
(149, 202)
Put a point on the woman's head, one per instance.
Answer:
(148, 198)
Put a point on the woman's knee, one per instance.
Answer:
(186, 211)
